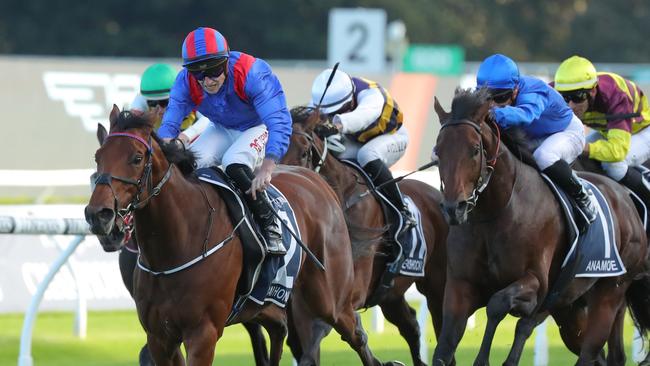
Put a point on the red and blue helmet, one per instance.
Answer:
(498, 72)
(204, 44)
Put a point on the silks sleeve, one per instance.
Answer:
(613, 148)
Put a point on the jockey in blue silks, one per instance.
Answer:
(251, 124)
(555, 134)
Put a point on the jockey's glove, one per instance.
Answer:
(325, 130)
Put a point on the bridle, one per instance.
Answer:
(322, 155)
(487, 165)
(141, 183)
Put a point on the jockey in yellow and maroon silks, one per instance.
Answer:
(607, 103)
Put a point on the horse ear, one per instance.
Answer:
(313, 120)
(442, 115)
(101, 133)
(482, 112)
(115, 112)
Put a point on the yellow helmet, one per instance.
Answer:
(575, 73)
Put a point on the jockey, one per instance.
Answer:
(155, 84)
(251, 124)
(372, 124)
(617, 142)
(555, 134)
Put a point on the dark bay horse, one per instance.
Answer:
(178, 218)
(508, 240)
(307, 149)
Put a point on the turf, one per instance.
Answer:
(114, 338)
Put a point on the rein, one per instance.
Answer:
(487, 168)
(312, 147)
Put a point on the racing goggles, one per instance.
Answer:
(576, 96)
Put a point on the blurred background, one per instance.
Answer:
(63, 64)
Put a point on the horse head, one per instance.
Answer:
(126, 161)
(306, 148)
(467, 150)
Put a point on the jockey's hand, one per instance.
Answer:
(262, 177)
(326, 130)
(585, 151)
(184, 139)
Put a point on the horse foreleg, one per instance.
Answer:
(164, 353)
(274, 320)
(459, 304)
(308, 331)
(603, 304)
(200, 343)
(260, 352)
(520, 297)
(615, 346)
(293, 340)
(398, 312)
(524, 329)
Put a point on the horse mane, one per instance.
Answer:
(175, 153)
(465, 105)
(301, 114)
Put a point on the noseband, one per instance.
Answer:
(145, 179)
(322, 155)
(487, 165)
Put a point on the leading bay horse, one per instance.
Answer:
(307, 149)
(178, 219)
(508, 240)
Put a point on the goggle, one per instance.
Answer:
(211, 71)
(154, 103)
(500, 96)
(576, 97)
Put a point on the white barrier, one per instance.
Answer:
(35, 226)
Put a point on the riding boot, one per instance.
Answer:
(635, 181)
(380, 174)
(563, 175)
(261, 208)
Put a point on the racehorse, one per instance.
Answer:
(127, 262)
(307, 149)
(509, 241)
(178, 217)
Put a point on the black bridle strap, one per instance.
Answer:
(486, 169)
(312, 145)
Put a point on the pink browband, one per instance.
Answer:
(131, 135)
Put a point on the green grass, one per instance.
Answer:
(115, 338)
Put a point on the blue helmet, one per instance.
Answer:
(498, 72)
(204, 44)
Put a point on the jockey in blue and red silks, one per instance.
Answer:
(251, 124)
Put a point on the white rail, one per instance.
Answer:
(53, 226)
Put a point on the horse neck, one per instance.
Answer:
(343, 178)
(166, 231)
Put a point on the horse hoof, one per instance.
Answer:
(394, 363)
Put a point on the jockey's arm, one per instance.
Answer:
(179, 106)
(529, 108)
(370, 104)
(613, 148)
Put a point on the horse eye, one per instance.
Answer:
(138, 159)
(304, 155)
(477, 150)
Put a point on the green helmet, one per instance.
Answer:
(157, 81)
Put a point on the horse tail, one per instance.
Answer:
(638, 300)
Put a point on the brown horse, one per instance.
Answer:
(179, 219)
(307, 149)
(509, 241)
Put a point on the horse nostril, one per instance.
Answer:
(105, 215)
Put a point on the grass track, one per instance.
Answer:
(114, 338)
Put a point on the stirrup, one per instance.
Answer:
(273, 237)
(408, 220)
(587, 207)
